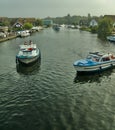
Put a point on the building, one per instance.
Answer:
(18, 25)
(93, 23)
(47, 22)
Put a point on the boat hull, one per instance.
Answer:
(28, 69)
(94, 68)
(27, 61)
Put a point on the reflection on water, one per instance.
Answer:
(92, 77)
(28, 69)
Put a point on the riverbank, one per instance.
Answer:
(7, 38)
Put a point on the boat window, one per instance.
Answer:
(27, 53)
(93, 57)
(89, 57)
(105, 59)
(96, 59)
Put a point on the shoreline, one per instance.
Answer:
(7, 38)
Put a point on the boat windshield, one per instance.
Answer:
(27, 53)
(93, 57)
(89, 57)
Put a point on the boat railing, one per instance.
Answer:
(96, 53)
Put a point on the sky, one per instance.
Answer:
(55, 8)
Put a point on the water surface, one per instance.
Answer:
(50, 96)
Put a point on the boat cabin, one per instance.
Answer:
(107, 57)
(100, 57)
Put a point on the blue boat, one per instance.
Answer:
(95, 62)
(28, 54)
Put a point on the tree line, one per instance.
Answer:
(105, 25)
(103, 29)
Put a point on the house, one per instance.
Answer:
(18, 25)
(93, 23)
(47, 22)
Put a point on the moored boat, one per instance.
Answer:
(111, 38)
(95, 62)
(25, 33)
(28, 54)
(56, 27)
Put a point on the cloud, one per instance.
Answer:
(43, 8)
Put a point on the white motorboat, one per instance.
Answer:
(25, 33)
(28, 54)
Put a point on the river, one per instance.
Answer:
(51, 96)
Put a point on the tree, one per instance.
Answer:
(104, 28)
(38, 22)
(94, 29)
(27, 26)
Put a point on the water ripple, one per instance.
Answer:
(51, 96)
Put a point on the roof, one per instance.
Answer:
(18, 24)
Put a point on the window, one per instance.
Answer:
(105, 59)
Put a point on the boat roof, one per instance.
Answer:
(26, 46)
(98, 54)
